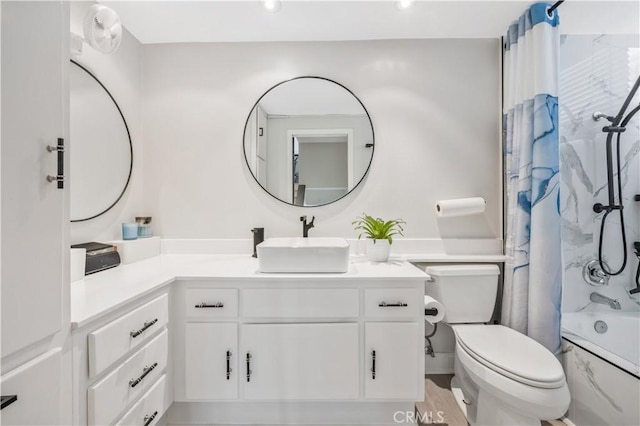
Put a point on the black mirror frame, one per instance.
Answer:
(126, 126)
(372, 145)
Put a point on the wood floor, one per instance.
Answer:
(440, 407)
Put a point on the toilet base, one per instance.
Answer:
(492, 411)
(458, 395)
(488, 410)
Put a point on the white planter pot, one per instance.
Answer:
(378, 250)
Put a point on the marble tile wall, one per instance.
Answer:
(596, 74)
(601, 394)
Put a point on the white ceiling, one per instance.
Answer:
(306, 20)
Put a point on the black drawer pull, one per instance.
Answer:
(60, 176)
(7, 400)
(373, 368)
(228, 364)
(149, 419)
(134, 382)
(392, 305)
(431, 311)
(136, 333)
(249, 367)
(215, 305)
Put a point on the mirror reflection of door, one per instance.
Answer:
(321, 165)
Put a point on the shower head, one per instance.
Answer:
(598, 115)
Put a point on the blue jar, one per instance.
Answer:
(129, 231)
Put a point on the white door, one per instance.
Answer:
(34, 388)
(34, 60)
(300, 361)
(392, 361)
(211, 361)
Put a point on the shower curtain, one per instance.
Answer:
(532, 276)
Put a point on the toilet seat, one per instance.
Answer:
(511, 354)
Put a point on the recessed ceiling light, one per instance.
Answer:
(405, 4)
(271, 5)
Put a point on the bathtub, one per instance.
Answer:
(602, 368)
(619, 344)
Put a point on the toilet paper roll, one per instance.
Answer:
(460, 207)
(429, 304)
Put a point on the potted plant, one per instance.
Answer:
(380, 234)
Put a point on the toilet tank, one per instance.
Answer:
(468, 292)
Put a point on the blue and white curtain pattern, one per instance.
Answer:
(533, 275)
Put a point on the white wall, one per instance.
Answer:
(121, 73)
(434, 106)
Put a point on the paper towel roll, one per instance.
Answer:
(460, 207)
(77, 261)
(431, 303)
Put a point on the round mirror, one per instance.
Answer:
(101, 153)
(308, 141)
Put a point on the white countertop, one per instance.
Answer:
(106, 291)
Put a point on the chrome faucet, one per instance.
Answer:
(604, 300)
(306, 226)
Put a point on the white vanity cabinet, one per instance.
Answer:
(391, 360)
(209, 330)
(122, 365)
(211, 361)
(36, 387)
(34, 216)
(391, 336)
(275, 351)
(300, 361)
(35, 376)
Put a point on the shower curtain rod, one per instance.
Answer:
(554, 7)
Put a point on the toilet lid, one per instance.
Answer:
(511, 354)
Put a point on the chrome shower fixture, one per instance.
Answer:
(593, 274)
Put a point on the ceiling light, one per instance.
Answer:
(405, 4)
(271, 5)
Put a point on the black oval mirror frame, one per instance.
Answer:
(126, 185)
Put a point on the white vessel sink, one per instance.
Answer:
(303, 255)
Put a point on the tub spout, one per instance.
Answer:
(604, 300)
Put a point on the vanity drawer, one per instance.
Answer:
(35, 390)
(301, 303)
(109, 343)
(211, 303)
(393, 302)
(150, 408)
(108, 397)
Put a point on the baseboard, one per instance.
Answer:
(306, 413)
(441, 363)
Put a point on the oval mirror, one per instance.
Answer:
(308, 141)
(102, 153)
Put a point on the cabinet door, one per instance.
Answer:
(36, 385)
(300, 361)
(34, 60)
(395, 373)
(211, 358)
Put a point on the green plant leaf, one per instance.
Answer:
(378, 228)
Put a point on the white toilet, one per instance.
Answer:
(502, 377)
